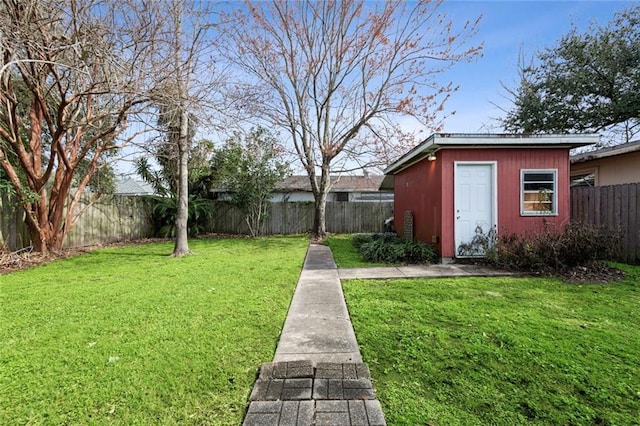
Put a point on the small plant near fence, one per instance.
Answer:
(165, 211)
(554, 249)
(389, 248)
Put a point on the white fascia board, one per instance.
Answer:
(438, 141)
(515, 140)
(413, 156)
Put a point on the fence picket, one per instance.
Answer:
(617, 206)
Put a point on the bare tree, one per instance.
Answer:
(185, 88)
(183, 68)
(72, 73)
(339, 76)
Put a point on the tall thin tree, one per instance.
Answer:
(184, 89)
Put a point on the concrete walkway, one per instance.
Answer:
(318, 327)
(418, 271)
(317, 376)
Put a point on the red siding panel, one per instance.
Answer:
(418, 189)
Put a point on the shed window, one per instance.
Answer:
(538, 192)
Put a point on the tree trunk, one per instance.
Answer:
(181, 247)
(319, 230)
(41, 231)
(38, 238)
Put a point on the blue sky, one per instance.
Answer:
(507, 28)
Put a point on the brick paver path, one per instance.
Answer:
(296, 393)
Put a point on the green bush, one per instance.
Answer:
(359, 239)
(389, 248)
(555, 249)
(165, 212)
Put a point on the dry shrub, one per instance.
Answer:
(555, 249)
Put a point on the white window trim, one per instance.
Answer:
(554, 211)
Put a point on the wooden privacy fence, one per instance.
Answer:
(616, 206)
(297, 218)
(13, 232)
(124, 218)
(111, 219)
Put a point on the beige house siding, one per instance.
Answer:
(614, 170)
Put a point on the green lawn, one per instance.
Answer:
(501, 351)
(130, 336)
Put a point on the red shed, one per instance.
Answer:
(453, 186)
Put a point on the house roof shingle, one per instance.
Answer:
(611, 151)
(338, 184)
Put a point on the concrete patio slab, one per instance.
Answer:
(415, 271)
(421, 271)
(366, 273)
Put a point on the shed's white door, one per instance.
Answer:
(474, 206)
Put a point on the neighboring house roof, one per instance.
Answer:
(338, 184)
(624, 148)
(300, 183)
(439, 141)
(133, 187)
